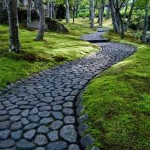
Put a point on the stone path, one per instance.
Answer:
(40, 113)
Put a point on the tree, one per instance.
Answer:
(101, 12)
(67, 12)
(92, 13)
(13, 26)
(39, 7)
(29, 13)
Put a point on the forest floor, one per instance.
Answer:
(118, 101)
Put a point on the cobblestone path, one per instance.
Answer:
(39, 113)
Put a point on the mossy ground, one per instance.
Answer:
(35, 56)
(118, 102)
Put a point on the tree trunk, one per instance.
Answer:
(114, 17)
(101, 13)
(73, 14)
(13, 26)
(145, 22)
(108, 12)
(53, 10)
(39, 6)
(67, 12)
(29, 13)
(92, 13)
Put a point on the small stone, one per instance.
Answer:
(42, 129)
(4, 118)
(42, 108)
(73, 147)
(68, 104)
(57, 115)
(59, 98)
(31, 126)
(24, 121)
(14, 112)
(4, 125)
(34, 118)
(70, 98)
(25, 145)
(7, 143)
(45, 121)
(60, 145)
(29, 134)
(34, 111)
(25, 113)
(82, 128)
(53, 136)
(16, 135)
(4, 134)
(22, 102)
(40, 140)
(57, 107)
(95, 148)
(3, 112)
(56, 125)
(68, 133)
(69, 120)
(47, 99)
(16, 126)
(68, 111)
(15, 118)
(43, 113)
(40, 148)
(86, 141)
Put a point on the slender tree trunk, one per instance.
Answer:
(114, 17)
(29, 13)
(108, 12)
(67, 12)
(53, 10)
(73, 14)
(13, 26)
(92, 13)
(39, 6)
(145, 22)
(130, 14)
(101, 13)
(48, 9)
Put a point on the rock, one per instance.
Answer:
(56, 125)
(34, 111)
(68, 133)
(40, 140)
(3, 112)
(25, 113)
(42, 129)
(16, 126)
(43, 114)
(40, 148)
(4, 118)
(86, 141)
(45, 121)
(4, 134)
(34, 118)
(60, 145)
(24, 121)
(57, 107)
(68, 104)
(68, 111)
(29, 134)
(82, 128)
(15, 118)
(7, 143)
(95, 148)
(25, 145)
(14, 112)
(70, 98)
(4, 125)
(42, 108)
(16, 135)
(69, 120)
(53, 136)
(31, 126)
(57, 115)
(73, 147)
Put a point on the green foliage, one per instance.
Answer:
(35, 56)
(118, 102)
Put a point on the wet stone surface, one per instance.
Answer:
(39, 113)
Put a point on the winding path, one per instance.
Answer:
(39, 113)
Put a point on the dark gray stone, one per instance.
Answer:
(25, 113)
(4, 125)
(3, 112)
(22, 102)
(15, 118)
(16, 126)
(95, 148)
(43, 108)
(60, 145)
(69, 120)
(40, 140)
(45, 121)
(14, 112)
(68, 111)
(56, 125)
(53, 136)
(57, 107)
(4, 134)
(68, 133)
(82, 128)
(68, 104)
(34, 111)
(73, 147)
(7, 143)
(34, 118)
(40, 148)
(25, 145)
(44, 114)
(24, 121)
(47, 99)
(57, 115)
(43, 129)
(4, 118)
(16, 135)
(70, 98)
(31, 126)
(29, 134)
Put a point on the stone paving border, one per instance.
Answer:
(41, 112)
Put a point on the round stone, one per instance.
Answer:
(24, 121)
(56, 125)
(3, 112)
(16, 135)
(60, 145)
(68, 133)
(34, 118)
(40, 148)
(68, 111)
(16, 126)
(69, 120)
(57, 115)
(4, 125)
(57, 107)
(42, 108)
(4, 134)
(15, 118)
(14, 112)
(40, 140)
(73, 147)
(25, 113)
(25, 145)
(7, 143)
(68, 104)
(29, 134)
(34, 111)
(31, 126)
(53, 135)
(42, 129)
(46, 120)
(43, 114)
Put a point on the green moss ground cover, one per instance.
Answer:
(39, 55)
(118, 102)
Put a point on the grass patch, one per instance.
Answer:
(55, 49)
(118, 102)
